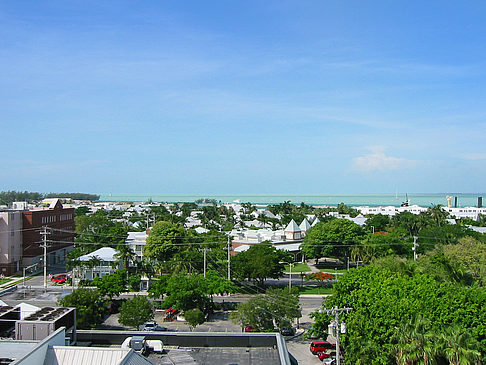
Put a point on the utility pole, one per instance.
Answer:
(204, 262)
(414, 248)
(229, 260)
(338, 327)
(44, 245)
(290, 276)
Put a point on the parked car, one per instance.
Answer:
(287, 331)
(60, 279)
(320, 346)
(249, 328)
(326, 355)
(332, 360)
(151, 326)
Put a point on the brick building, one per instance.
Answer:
(60, 238)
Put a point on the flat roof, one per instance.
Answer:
(217, 356)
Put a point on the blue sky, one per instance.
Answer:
(225, 97)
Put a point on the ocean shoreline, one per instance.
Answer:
(372, 200)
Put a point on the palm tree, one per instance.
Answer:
(459, 347)
(437, 214)
(417, 343)
(125, 254)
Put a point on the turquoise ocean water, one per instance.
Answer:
(463, 199)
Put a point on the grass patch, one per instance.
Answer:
(3, 281)
(311, 289)
(297, 268)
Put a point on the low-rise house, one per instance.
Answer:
(99, 263)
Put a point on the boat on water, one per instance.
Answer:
(405, 203)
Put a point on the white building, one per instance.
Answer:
(292, 231)
(136, 241)
(104, 262)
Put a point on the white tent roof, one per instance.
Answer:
(26, 309)
(292, 227)
(103, 254)
(305, 225)
(315, 222)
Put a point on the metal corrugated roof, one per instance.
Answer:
(74, 355)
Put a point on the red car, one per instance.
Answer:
(249, 328)
(320, 346)
(60, 279)
(325, 355)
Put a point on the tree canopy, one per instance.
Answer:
(385, 297)
(331, 239)
(90, 307)
(135, 312)
(276, 308)
(259, 262)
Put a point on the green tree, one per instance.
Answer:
(164, 241)
(194, 317)
(277, 308)
(259, 262)
(187, 291)
(417, 343)
(377, 223)
(124, 254)
(471, 254)
(113, 284)
(382, 244)
(90, 307)
(216, 284)
(135, 312)
(331, 239)
(385, 297)
(458, 346)
(412, 223)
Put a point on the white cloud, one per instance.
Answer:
(377, 160)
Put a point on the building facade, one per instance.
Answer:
(59, 222)
(10, 242)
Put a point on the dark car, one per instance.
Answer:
(320, 346)
(287, 331)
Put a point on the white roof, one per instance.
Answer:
(241, 248)
(305, 225)
(478, 229)
(360, 220)
(200, 230)
(289, 247)
(103, 254)
(26, 309)
(77, 355)
(136, 236)
(315, 222)
(292, 227)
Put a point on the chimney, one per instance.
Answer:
(480, 201)
(455, 202)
